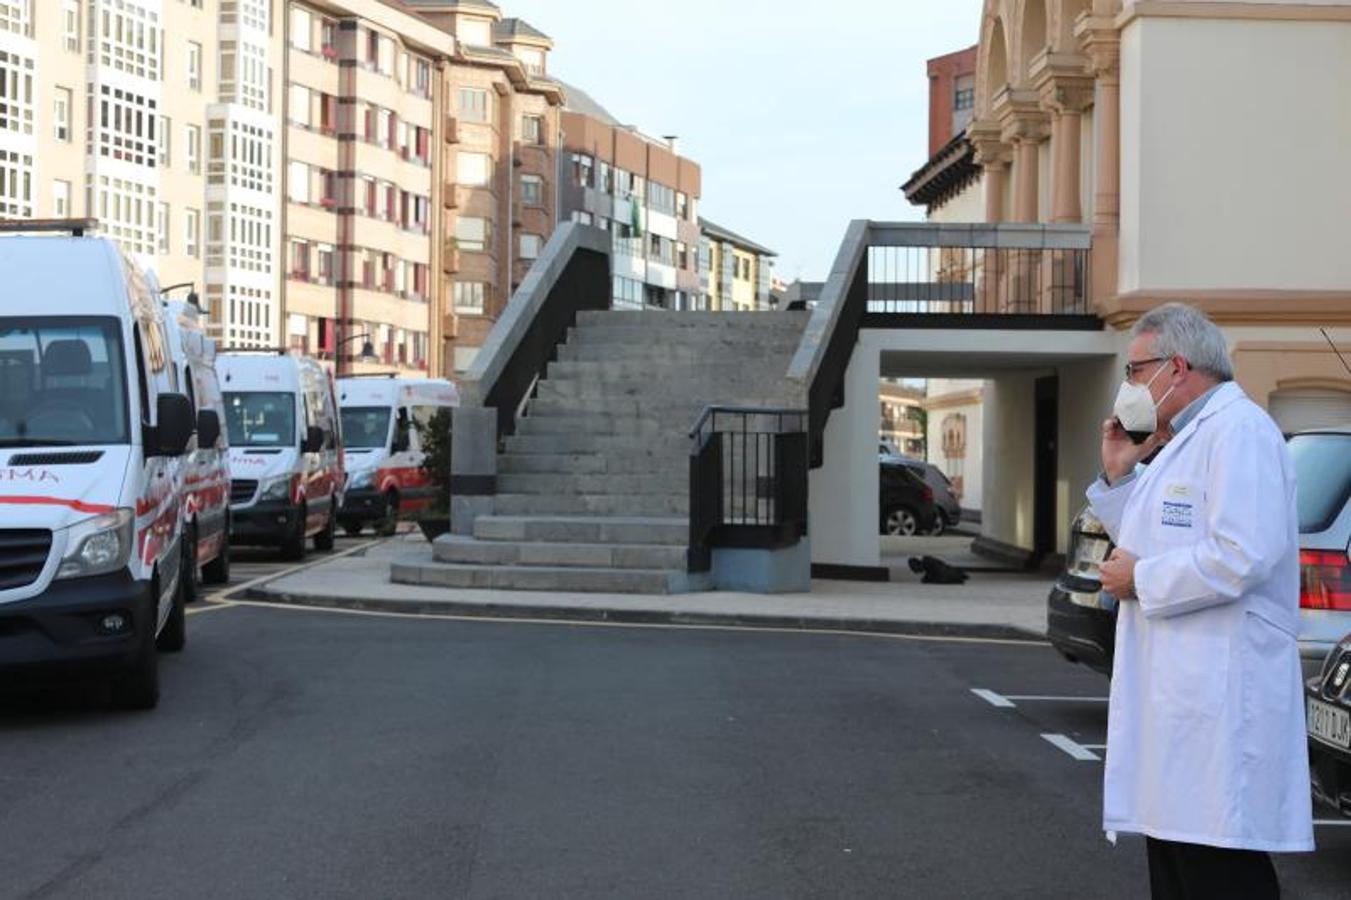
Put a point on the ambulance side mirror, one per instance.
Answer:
(174, 424)
(208, 429)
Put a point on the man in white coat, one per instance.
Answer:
(1206, 752)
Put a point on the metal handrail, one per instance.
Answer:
(711, 411)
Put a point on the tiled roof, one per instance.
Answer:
(436, 5)
(579, 101)
(507, 29)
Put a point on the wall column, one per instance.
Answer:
(1101, 43)
(1066, 90)
(1023, 124)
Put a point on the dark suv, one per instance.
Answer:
(907, 503)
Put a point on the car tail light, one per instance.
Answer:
(928, 494)
(1324, 580)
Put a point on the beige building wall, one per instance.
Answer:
(363, 82)
(1225, 173)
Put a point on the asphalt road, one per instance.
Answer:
(319, 754)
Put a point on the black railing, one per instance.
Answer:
(934, 275)
(748, 480)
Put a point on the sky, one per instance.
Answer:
(802, 115)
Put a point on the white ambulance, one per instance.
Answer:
(382, 420)
(286, 454)
(93, 428)
(206, 469)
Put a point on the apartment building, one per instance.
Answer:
(644, 193)
(103, 113)
(952, 96)
(901, 424)
(361, 175)
(501, 128)
(736, 273)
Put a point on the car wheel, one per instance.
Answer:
(323, 541)
(940, 526)
(218, 570)
(175, 634)
(351, 529)
(390, 523)
(900, 522)
(294, 547)
(187, 579)
(138, 688)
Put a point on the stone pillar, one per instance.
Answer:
(1066, 90)
(992, 155)
(1026, 186)
(1022, 124)
(473, 466)
(1101, 43)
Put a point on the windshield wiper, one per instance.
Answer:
(35, 442)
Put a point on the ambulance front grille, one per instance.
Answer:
(23, 553)
(242, 490)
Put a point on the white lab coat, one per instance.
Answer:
(1205, 731)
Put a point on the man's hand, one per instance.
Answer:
(1118, 575)
(1119, 454)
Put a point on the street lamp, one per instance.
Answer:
(367, 349)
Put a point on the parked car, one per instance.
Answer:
(907, 503)
(949, 509)
(1080, 615)
(93, 430)
(1081, 621)
(206, 467)
(1327, 703)
(286, 457)
(384, 448)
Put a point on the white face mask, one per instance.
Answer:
(1136, 410)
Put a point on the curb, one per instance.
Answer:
(453, 609)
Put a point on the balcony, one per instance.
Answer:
(450, 258)
(452, 130)
(965, 271)
(449, 197)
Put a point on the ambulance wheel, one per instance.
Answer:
(390, 523)
(175, 633)
(323, 541)
(187, 579)
(218, 570)
(138, 687)
(350, 528)
(293, 548)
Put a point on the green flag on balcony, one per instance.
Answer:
(635, 216)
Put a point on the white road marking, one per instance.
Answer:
(1043, 699)
(1094, 746)
(1332, 822)
(212, 606)
(1076, 750)
(993, 699)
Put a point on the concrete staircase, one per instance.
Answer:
(593, 488)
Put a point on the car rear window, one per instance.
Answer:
(1323, 478)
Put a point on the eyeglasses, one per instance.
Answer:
(1133, 368)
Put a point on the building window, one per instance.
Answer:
(473, 105)
(162, 227)
(61, 199)
(194, 66)
(129, 40)
(192, 227)
(16, 185)
(126, 127)
(422, 76)
(532, 129)
(470, 296)
(16, 93)
(300, 260)
(472, 233)
(583, 170)
(532, 190)
(475, 32)
(532, 60)
(302, 29)
(61, 104)
(474, 169)
(324, 264)
(194, 149)
(164, 153)
(70, 25)
(298, 182)
(299, 105)
(530, 246)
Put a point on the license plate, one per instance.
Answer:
(1329, 724)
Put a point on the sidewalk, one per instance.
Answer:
(1009, 606)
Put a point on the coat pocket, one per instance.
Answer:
(1189, 672)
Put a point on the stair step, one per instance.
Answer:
(634, 463)
(634, 369)
(661, 353)
(596, 423)
(691, 337)
(468, 551)
(538, 578)
(659, 481)
(670, 531)
(698, 319)
(593, 504)
(603, 444)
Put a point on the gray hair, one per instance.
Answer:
(1185, 331)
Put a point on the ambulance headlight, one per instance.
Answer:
(361, 479)
(276, 489)
(98, 545)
